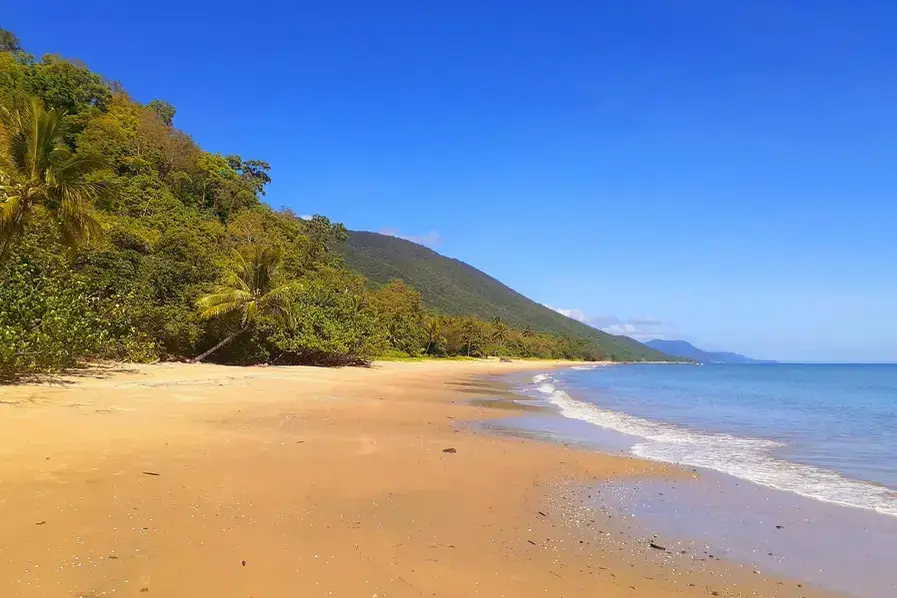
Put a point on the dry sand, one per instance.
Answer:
(199, 480)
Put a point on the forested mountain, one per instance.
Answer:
(121, 238)
(452, 287)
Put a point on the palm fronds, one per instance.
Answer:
(248, 290)
(37, 169)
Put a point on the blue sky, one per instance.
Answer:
(720, 171)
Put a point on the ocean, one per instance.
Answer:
(827, 432)
(818, 443)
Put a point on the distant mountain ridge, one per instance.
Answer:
(687, 350)
(452, 287)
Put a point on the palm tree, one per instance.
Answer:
(39, 172)
(433, 332)
(248, 290)
(471, 331)
(500, 332)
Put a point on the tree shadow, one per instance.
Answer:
(71, 376)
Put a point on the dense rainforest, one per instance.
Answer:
(121, 238)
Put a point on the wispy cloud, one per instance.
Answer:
(641, 329)
(576, 314)
(639, 332)
(646, 322)
(430, 239)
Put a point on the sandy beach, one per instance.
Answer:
(201, 480)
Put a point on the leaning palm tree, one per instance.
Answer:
(248, 290)
(39, 172)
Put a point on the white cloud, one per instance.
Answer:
(430, 239)
(641, 329)
(576, 314)
(306, 216)
(639, 333)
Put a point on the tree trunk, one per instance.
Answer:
(228, 339)
(7, 244)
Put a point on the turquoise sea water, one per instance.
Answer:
(826, 432)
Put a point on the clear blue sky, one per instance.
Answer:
(719, 171)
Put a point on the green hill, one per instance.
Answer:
(452, 287)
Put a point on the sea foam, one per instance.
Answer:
(746, 458)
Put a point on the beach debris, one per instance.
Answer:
(40, 523)
(657, 546)
(531, 542)
(505, 360)
(144, 590)
(243, 563)
(151, 473)
(450, 449)
(542, 514)
(780, 527)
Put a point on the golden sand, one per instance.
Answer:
(190, 481)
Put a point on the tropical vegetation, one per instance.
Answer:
(121, 238)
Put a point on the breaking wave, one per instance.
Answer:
(747, 458)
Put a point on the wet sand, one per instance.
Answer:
(201, 480)
(841, 548)
(715, 517)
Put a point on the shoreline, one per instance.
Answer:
(715, 513)
(635, 429)
(213, 480)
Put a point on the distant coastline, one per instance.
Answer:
(686, 350)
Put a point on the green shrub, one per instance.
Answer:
(48, 319)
